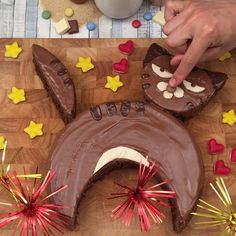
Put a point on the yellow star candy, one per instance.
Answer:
(225, 56)
(113, 83)
(17, 95)
(34, 129)
(13, 50)
(85, 63)
(229, 117)
(2, 141)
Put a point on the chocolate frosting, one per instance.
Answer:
(57, 81)
(191, 102)
(141, 127)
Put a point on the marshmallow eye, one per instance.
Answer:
(161, 72)
(193, 88)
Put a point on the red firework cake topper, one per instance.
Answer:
(146, 200)
(31, 211)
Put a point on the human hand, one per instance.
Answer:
(198, 30)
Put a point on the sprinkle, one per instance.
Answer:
(136, 24)
(34, 129)
(85, 63)
(46, 14)
(2, 142)
(225, 56)
(229, 117)
(69, 12)
(113, 83)
(147, 16)
(91, 26)
(17, 95)
(13, 50)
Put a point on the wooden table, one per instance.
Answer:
(95, 210)
(22, 19)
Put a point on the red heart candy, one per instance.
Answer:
(233, 155)
(214, 147)
(221, 168)
(121, 67)
(127, 48)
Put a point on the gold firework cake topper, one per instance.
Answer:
(216, 215)
(5, 170)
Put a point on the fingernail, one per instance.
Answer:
(174, 62)
(172, 82)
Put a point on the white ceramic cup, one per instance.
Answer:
(119, 9)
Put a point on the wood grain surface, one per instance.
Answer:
(95, 211)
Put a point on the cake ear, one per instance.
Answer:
(218, 79)
(154, 51)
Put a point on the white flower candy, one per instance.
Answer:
(178, 93)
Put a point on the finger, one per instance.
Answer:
(212, 54)
(175, 61)
(173, 7)
(180, 50)
(174, 23)
(209, 55)
(192, 56)
(180, 37)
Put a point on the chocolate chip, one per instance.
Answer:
(145, 76)
(96, 113)
(125, 108)
(162, 69)
(146, 86)
(74, 27)
(140, 107)
(111, 109)
(190, 106)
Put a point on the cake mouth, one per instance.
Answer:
(120, 153)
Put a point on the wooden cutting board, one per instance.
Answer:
(95, 211)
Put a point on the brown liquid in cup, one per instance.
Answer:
(79, 1)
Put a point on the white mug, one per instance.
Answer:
(119, 9)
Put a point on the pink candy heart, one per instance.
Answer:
(214, 147)
(221, 168)
(233, 155)
(122, 66)
(127, 48)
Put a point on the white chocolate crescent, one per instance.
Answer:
(120, 153)
(194, 89)
(163, 74)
